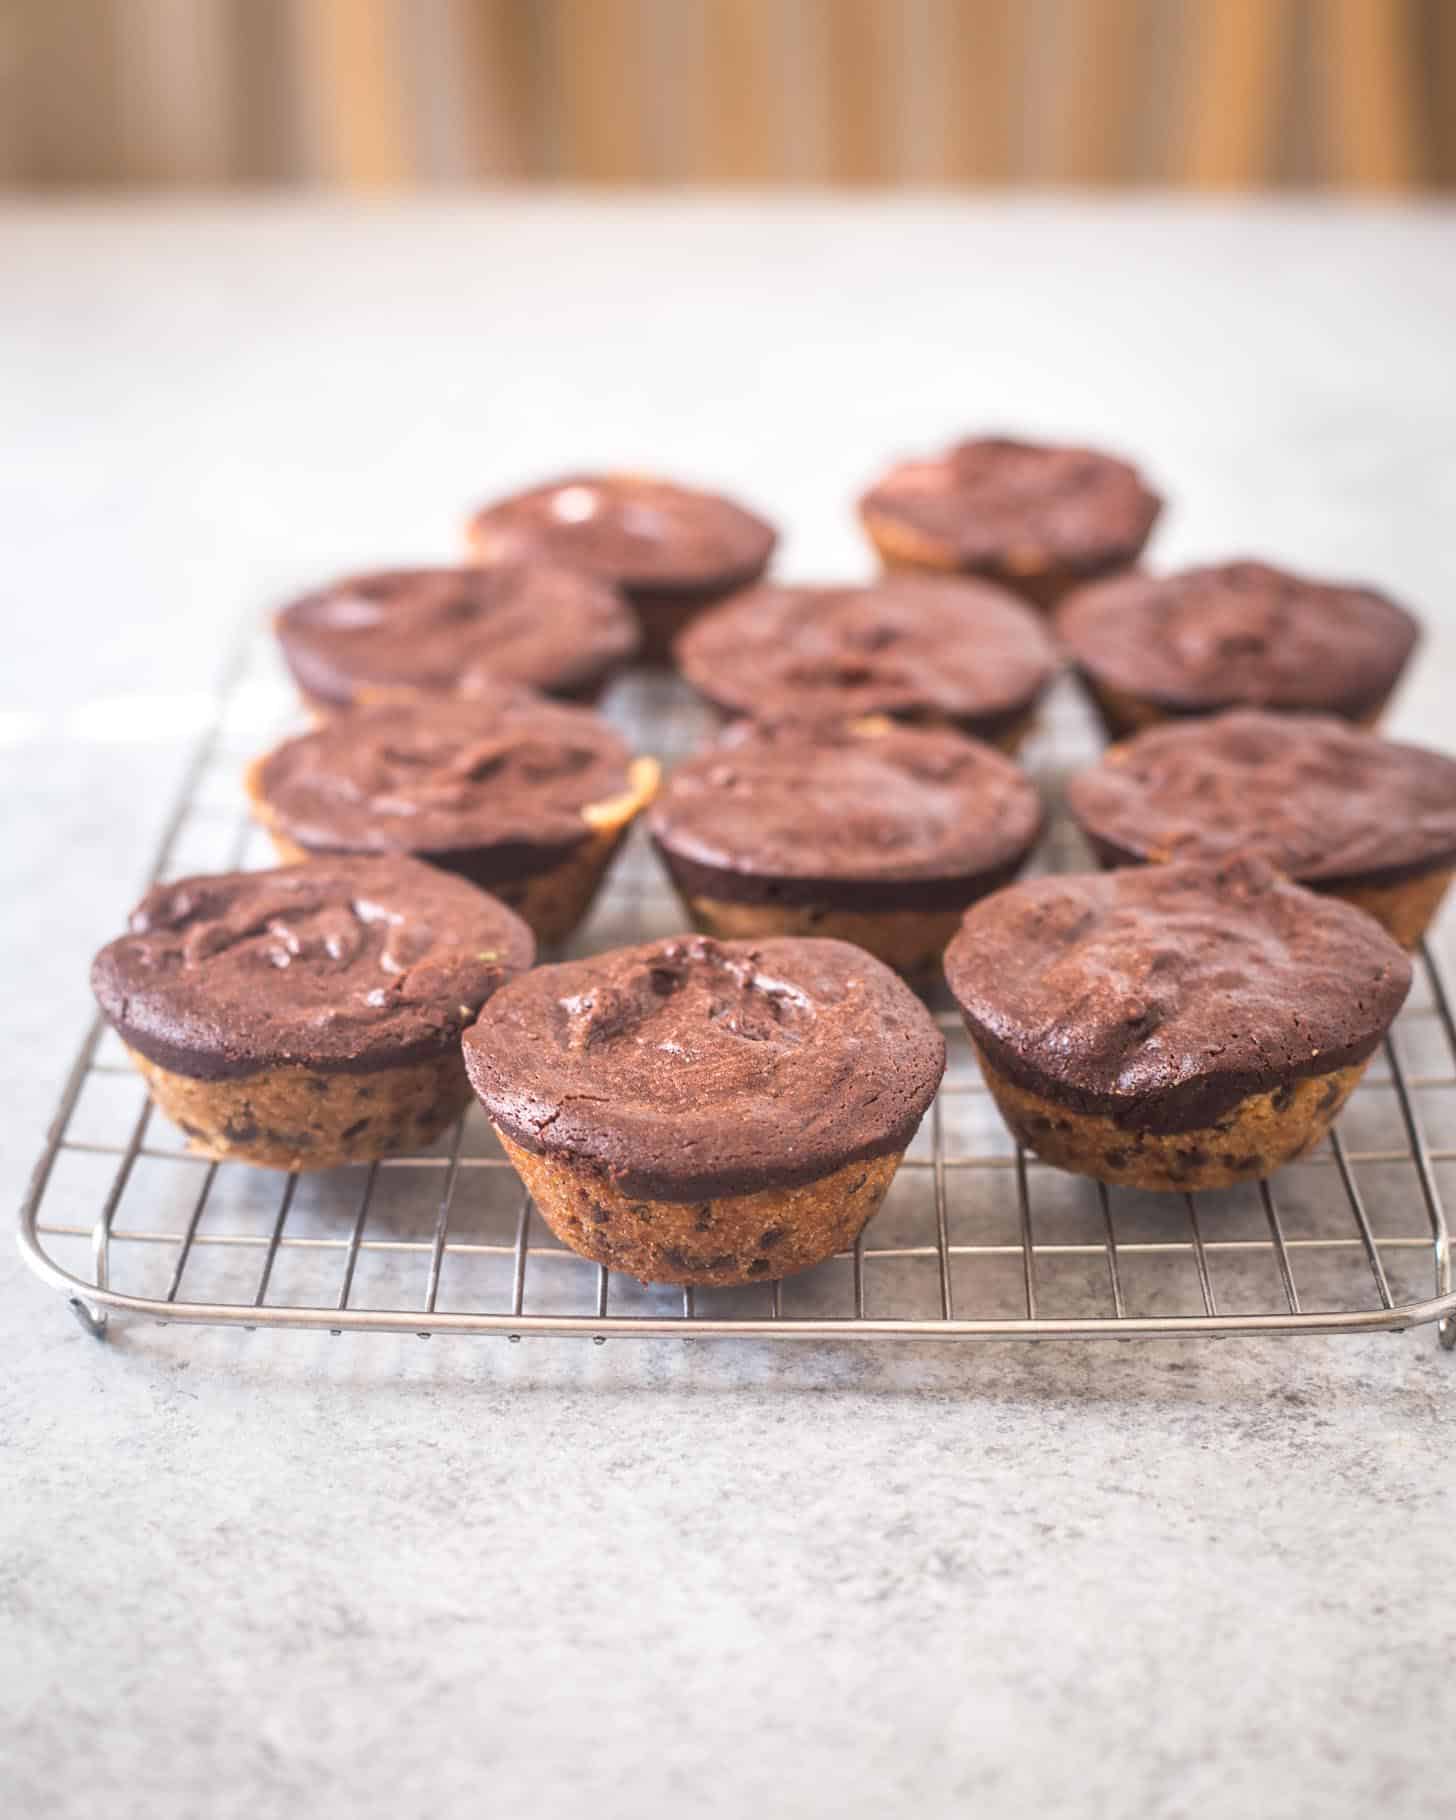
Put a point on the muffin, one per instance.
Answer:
(526, 797)
(1329, 805)
(702, 1112)
(913, 649)
(1034, 517)
(308, 1016)
(671, 550)
(869, 832)
(1177, 1027)
(1236, 635)
(412, 634)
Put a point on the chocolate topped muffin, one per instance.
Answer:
(705, 1112)
(868, 831)
(1238, 634)
(1182, 1026)
(913, 649)
(309, 1015)
(1033, 516)
(527, 797)
(671, 549)
(1326, 803)
(408, 633)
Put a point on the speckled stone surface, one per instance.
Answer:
(244, 1575)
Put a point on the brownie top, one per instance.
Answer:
(631, 529)
(1004, 505)
(690, 1068)
(504, 768)
(1239, 634)
(866, 800)
(912, 648)
(1163, 995)
(336, 965)
(1319, 799)
(448, 631)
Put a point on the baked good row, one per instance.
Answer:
(697, 1111)
(1147, 648)
(868, 829)
(571, 580)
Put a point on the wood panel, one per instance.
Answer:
(600, 72)
(502, 53)
(1236, 52)
(272, 137)
(1357, 94)
(976, 84)
(66, 89)
(361, 73)
(858, 44)
(745, 132)
(1093, 116)
(1439, 114)
(179, 90)
(1366, 54)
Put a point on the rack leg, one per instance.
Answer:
(92, 1319)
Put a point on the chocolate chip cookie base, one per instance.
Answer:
(1031, 575)
(910, 941)
(583, 694)
(551, 902)
(716, 1243)
(1123, 713)
(292, 1117)
(1007, 732)
(1404, 909)
(1008, 738)
(554, 902)
(1258, 1135)
(662, 615)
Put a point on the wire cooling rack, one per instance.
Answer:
(976, 1238)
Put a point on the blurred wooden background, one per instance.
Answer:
(1349, 94)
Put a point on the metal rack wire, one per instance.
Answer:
(976, 1238)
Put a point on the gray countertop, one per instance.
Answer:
(274, 1573)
